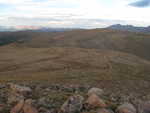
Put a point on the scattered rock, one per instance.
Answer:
(46, 100)
(24, 107)
(103, 110)
(14, 98)
(96, 91)
(126, 108)
(73, 105)
(20, 89)
(144, 107)
(44, 110)
(2, 86)
(42, 101)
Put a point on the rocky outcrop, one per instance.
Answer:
(66, 99)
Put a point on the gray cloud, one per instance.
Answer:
(64, 22)
(141, 3)
(61, 22)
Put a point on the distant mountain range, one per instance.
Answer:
(130, 28)
(48, 29)
(33, 28)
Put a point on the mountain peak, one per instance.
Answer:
(130, 28)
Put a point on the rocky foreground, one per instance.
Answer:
(56, 98)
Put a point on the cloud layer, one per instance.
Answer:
(141, 3)
(73, 13)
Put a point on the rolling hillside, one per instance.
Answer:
(73, 66)
(100, 57)
(104, 39)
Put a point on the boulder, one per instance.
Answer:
(73, 105)
(96, 91)
(144, 107)
(94, 101)
(103, 110)
(18, 107)
(126, 108)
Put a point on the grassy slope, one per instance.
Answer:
(99, 57)
(133, 43)
(73, 65)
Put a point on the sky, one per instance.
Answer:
(74, 13)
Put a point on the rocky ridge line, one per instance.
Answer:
(16, 98)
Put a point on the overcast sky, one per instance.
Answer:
(74, 13)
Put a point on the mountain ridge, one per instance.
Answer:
(130, 28)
